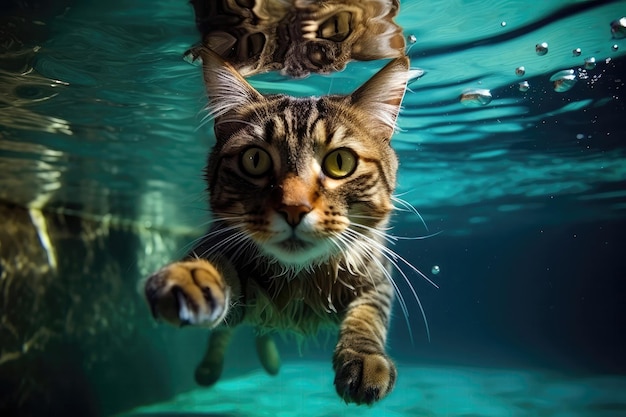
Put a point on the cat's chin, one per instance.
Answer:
(297, 253)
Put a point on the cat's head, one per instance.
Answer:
(299, 37)
(304, 180)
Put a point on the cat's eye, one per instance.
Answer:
(255, 162)
(339, 163)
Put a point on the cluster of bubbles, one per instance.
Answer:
(562, 81)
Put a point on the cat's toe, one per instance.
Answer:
(187, 293)
(195, 311)
(363, 378)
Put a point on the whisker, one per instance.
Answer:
(245, 243)
(369, 253)
(208, 234)
(360, 216)
(223, 244)
(245, 122)
(349, 259)
(408, 207)
(393, 257)
(352, 241)
(390, 237)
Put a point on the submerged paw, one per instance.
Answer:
(190, 292)
(363, 378)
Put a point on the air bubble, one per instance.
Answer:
(615, 47)
(564, 80)
(618, 28)
(435, 269)
(192, 56)
(590, 63)
(503, 23)
(520, 71)
(541, 48)
(476, 97)
(411, 38)
(524, 86)
(577, 52)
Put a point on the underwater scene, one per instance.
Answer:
(506, 243)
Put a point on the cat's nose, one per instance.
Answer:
(293, 199)
(294, 213)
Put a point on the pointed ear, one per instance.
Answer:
(379, 98)
(226, 88)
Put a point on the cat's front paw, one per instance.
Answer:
(190, 292)
(363, 378)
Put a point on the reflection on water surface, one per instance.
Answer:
(103, 142)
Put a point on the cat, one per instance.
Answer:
(299, 37)
(301, 193)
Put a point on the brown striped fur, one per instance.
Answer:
(300, 190)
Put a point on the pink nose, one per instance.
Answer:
(294, 214)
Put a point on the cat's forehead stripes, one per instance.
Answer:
(299, 121)
(337, 135)
(273, 130)
(290, 116)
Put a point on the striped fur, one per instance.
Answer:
(300, 189)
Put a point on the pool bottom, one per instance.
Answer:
(305, 389)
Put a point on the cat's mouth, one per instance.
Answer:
(293, 244)
(297, 252)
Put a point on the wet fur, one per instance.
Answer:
(294, 249)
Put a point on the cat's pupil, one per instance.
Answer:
(255, 159)
(339, 161)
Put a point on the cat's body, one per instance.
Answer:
(300, 189)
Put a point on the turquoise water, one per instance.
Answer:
(101, 118)
(114, 75)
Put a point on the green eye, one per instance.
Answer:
(255, 162)
(339, 163)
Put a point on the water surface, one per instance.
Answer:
(102, 118)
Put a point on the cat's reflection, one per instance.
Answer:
(299, 37)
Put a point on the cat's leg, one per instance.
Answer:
(195, 291)
(363, 371)
(210, 368)
(268, 353)
(198, 292)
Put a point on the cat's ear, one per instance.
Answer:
(226, 88)
(379, 98)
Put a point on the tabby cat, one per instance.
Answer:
(299, 36)
(301, 193)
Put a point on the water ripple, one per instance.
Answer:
(101, 114)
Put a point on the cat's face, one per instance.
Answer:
(303, 179)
